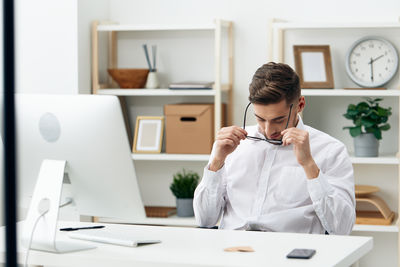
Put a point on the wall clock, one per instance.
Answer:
(372, 62)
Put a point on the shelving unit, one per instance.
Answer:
(383, 159)
(212, 92)
(126, 27)
(277, 53)
(345, 92)
(376, 228)
(171, 157)
(156, 92)
(216, 92)
(219, 28)
(280, 25)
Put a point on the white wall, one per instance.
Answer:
(53, 44)
(47, 46)
(88, 11)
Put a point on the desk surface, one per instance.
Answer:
(204, 247)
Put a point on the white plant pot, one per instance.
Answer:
(366, 145)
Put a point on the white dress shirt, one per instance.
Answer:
(262, 187)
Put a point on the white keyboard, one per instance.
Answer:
(109, 237)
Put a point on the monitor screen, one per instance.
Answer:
(88, 132)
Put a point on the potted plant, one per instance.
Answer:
(183, 187)
(369, 120)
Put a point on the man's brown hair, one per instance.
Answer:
(274, 82)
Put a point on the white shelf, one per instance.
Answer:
(375, 228)
(156, 92)
(345, 92)
(383, 159)
(127, 27)
(343, 25)
(171, 157)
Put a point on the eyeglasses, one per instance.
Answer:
(272, 141)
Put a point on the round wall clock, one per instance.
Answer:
(372, 62)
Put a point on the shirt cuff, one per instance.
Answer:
(212, 179)
(319, 187)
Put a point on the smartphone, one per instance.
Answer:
(301, 253)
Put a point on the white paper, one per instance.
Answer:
(148, 135)
(313, 67)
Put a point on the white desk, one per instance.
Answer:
(204, 247)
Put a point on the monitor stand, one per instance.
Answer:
(47, 196)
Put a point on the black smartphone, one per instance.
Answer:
(301, 253)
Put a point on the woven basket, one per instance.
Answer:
(129, 78)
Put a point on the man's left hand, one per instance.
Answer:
(300, 140)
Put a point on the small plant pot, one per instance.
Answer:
(366, 145)
(184, 207)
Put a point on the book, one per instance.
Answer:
(191, 85)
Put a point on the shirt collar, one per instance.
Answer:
(300, 124)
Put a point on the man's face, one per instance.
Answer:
(272, 118)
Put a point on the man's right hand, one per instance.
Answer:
(227, 140)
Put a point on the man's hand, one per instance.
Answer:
(227, 140)
(300, 140)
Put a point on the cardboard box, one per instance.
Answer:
(189, 128)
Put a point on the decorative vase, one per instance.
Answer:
(152, 80)
(184, 207)
(366, 145)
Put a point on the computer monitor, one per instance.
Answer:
(89, 134)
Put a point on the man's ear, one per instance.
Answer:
(302, 104)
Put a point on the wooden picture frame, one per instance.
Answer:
(314, 66)
(148, 134)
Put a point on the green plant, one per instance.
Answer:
(368, 117)
(184, 184)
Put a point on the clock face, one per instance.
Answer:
(371, 62)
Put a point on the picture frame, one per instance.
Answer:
(313, 64)
(148, 134)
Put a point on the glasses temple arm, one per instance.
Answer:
(290, 112)
(245, 113)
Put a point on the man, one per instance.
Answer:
(279, 175)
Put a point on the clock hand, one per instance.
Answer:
(372, 69)
(375, 59)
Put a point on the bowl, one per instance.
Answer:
(129, 78)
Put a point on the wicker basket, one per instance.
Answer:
(129, 78)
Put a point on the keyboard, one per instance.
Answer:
(109, 237)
